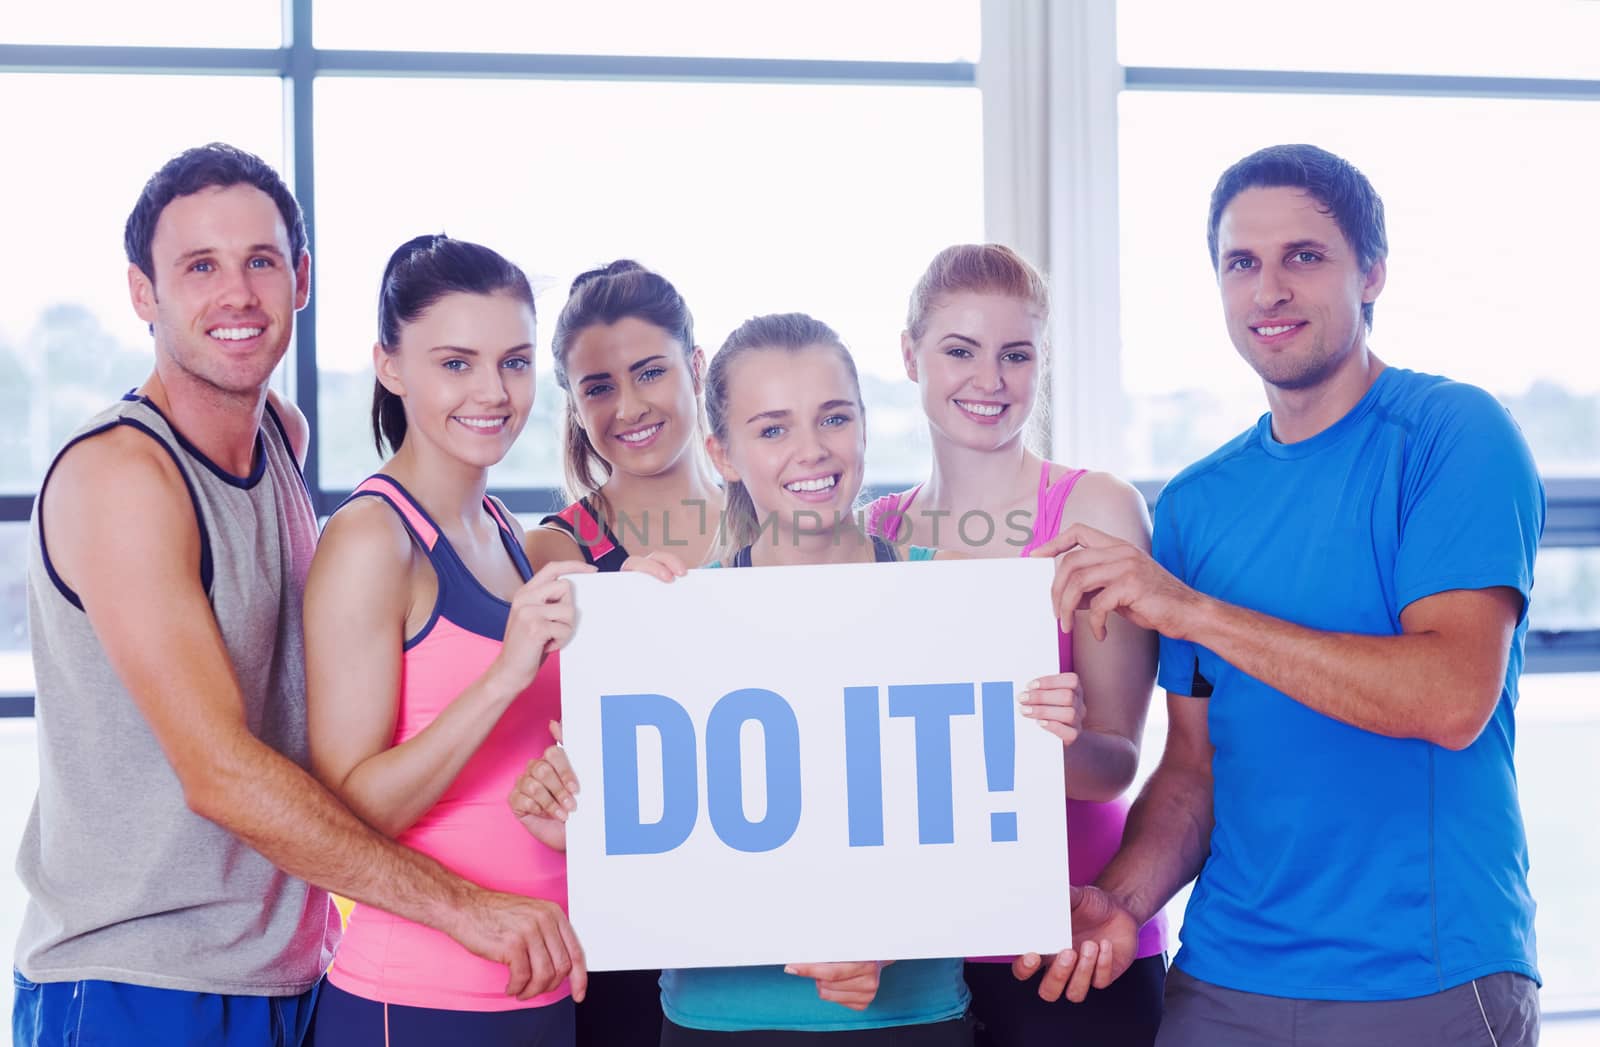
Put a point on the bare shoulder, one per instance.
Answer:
(295, 426)
(367, 534)
(361, 578)
(112, 476)
(511, 521)
(547, 544)
(1111, 504)
(119, 495)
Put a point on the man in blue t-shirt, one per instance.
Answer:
(1341, 593)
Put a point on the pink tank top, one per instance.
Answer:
(1094, 830)
(471, 830)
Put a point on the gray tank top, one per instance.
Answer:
(125, 883)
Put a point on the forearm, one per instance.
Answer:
(1165, 843)
(1411, 685)
(284, 813)
(1100, 766)
(391, 789)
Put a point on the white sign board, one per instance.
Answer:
(788, 765)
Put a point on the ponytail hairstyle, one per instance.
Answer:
(982, 269)
(420, 272)
(607, 295)
(792, 332)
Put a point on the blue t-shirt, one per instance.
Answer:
(737, 999)
(1345, 865)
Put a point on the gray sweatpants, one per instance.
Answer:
(1498, 1010)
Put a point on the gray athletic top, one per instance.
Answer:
(125, 883)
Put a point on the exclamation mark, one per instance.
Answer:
(1000, 754)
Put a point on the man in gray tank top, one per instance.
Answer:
(172, 850)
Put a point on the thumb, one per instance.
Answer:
(555, 732)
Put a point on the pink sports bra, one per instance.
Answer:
(1094, 830)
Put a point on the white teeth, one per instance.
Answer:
(986, 410)
(641, 436)
(821, 483)
(481, 423)
(236, 334)
(1268, 332)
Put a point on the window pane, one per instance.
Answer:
(171, 23)
(1566, 590)
(1490, 234)
(19, 780)
(1558, 733)
(887, 30)
(16, 664)
(1542, 38)
(69, 340)
(752, 199)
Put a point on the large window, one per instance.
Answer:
(751, 197)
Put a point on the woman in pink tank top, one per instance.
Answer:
(431, 668)
(975, 335)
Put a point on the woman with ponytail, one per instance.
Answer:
(430, 662)
(632, 439)
(788, 436)
(974, 340)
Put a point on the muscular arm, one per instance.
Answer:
(1169, 827)
(1164, 845)
(122, 533)
(1119, 672)
(1439, 680)
(357, 598)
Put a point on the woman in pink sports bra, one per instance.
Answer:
(975, 333)
(431, 668)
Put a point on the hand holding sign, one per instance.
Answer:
(545, 793)
(852, 985)
(1102, 574)
(1055, 702)
(1105, 939)
(541, 620)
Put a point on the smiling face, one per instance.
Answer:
(223, 291)
(977, 364)
(1292, 287)
(794, 434)
(635, 389)
(464, 370)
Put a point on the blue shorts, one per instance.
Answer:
(346, 1020)
(114, 1014)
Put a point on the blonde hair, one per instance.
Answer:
(985, 268)
(741, 526)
